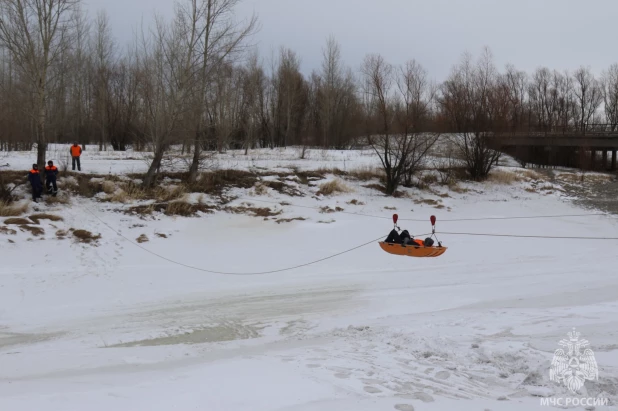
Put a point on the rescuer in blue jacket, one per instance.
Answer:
(35, 181)
(51, 171)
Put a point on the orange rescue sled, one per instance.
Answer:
(412, 250)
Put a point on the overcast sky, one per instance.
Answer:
(560, 34)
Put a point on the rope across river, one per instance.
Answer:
(178, 263)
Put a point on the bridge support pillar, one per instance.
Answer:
(593, 159)
(604, 163)
(613, 160)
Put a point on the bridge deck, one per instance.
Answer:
(598, 140)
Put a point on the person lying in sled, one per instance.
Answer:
(404, 239)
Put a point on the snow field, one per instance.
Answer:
(114, 327)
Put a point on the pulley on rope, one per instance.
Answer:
(406, 245)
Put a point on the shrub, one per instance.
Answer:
(166, 194)
(36, 231)
(366, 173)
(335, 186)
(12, 210)
(108, 187)
(38, 217)
(7, 231)
(84, 236)
(61, 199)
(17, 221)
(503, 177)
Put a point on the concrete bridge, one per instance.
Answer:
(590, 150)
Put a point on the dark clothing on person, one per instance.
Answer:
(35, 181)
(51, 172)
(50, 178)
(396, 238)
(405, 239)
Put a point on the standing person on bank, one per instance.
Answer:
(51, 172)
(35, 181)
(76, 152)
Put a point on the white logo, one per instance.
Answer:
(574, 367)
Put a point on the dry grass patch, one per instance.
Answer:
(334, 171)
(38, 217)
(7, 231)
(142, 239)
(144, 209)
(18, 221)
(454, 187)
(283, 188)
(129, 192)
(587, 178)
(390, 208)
(87, 188)
(355, 202)
(260, 189)
(35, 231)
(378, 187)
(428, 201)
(331, 187)
(530, 174)
(175, 208)
(108, 187)
(61, 234)
(428, 179)
(161, 235)
(184, 209)
(326, 222)
(531, 190)
(256, 212)
(85, 236)
(12, 210)
(307, 176)
(504, 177)
(57, 200)
(215, 182)
(289, 220)
(327, 209)
(167, 194)
(366, 173)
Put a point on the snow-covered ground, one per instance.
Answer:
(111, 326)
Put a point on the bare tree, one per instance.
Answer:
(36, 33)
(167, 64)
(588, 94)
(413, 115)
(220, 38)
(609, 85)
(387, 113)
(103, 53)
(466, 100)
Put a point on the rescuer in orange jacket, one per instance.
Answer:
(76, 152)
(35, 181)
(51, 171)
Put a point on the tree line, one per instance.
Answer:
(193, 80)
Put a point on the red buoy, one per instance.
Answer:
(395, 218)
(433, 220)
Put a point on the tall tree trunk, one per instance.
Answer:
(154, 166)
(40, 130)
(197, 152)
